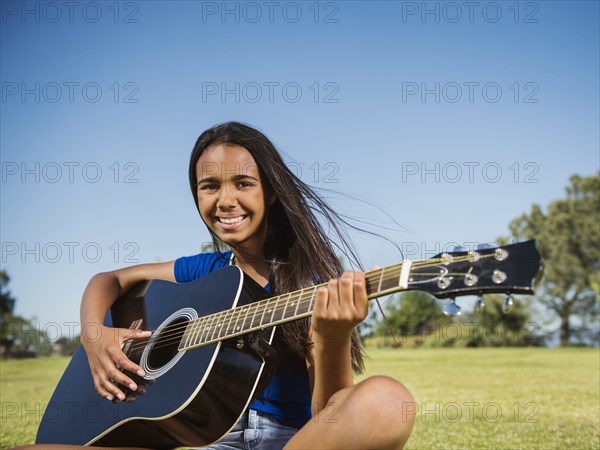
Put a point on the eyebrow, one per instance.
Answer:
(235, 178)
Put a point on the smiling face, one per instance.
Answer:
(231, 197)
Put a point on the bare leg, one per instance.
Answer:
(377, 413)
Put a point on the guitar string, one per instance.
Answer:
(206, 322)
(205, 333)
(202, 326)
(261, 307)
(392, 275)
(273, 302)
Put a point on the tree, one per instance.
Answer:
(495, 328)
(67, 345)
(416, 313)
(7, 305)
(19, 337)
(569, 237)
(412, 313)
(7, 302)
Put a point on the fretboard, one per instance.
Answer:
(281, 309)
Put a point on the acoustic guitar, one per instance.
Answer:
(211, 342)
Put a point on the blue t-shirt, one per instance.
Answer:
(287, 396)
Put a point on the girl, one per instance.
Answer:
(250, 201)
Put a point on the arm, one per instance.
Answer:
(103, 344)
(339, 307)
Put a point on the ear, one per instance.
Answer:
(272, 199)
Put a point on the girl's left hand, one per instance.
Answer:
(340, 305)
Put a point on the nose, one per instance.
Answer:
(227, 198)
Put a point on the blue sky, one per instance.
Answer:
(452, 121)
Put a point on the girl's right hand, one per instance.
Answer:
(103, 349)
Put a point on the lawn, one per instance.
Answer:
(465, 398)
(499, 397)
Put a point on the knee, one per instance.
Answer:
(388, 404)
(386, 395)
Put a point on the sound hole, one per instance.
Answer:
(164, 348)
(161, 355)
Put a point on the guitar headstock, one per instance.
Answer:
(515, 268)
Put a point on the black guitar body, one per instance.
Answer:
(194, 397)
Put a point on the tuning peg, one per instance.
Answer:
(451, 309)
(479, 304)
(508, 303)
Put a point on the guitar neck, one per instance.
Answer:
(514, 268)
(281, 309)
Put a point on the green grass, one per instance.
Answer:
(466, 398)
(499, 397)
(25, 388)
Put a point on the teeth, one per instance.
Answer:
(231, 220)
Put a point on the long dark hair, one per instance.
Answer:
(297, 250)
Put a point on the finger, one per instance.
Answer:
(113, 390)
(103, 392)
(346, 291)
(361, 300)
(137, 334)
(105, 386)
(118, 361)
(321, 299)
(333, 301)
(375, 267)
(121, 359)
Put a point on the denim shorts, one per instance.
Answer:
(255, 430)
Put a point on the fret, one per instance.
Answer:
(185, 340)
(208, 328)
(297, 305)
(210, 332)
(198, 327)
(392, 280)
(312, 297)
(277, 312)
(255, 307)
(203, 331)
(303, 306)
(210, 323)
(265, 307)
(217, 325)
(186, 334)
(228, 319)
(231, 314)
(236, 325)
(380, 280)
(372, 283)
(288, 308)
(245, 324)
(271, 310)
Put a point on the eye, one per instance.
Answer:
(208, 187)
(245, 184)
